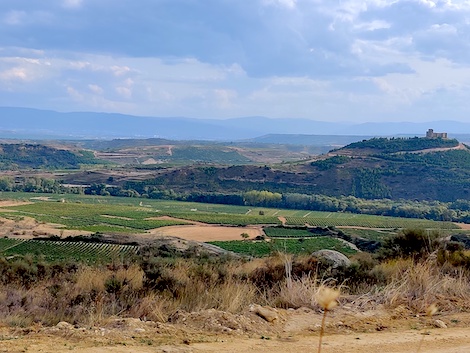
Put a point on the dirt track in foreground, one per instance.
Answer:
(297, 332)
(454, 340)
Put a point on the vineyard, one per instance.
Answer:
(325, 219)
(129, 215)
(292, 246)
(274, 232)
(94, 218)
(226, 219)
(6, 243)
(65, 250)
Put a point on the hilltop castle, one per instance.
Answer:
(430, 134)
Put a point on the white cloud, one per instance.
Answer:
(224, 98)
(120, 70)
(124, 92)
(372, 25)
(284, 3)
(344, 59)
(16, 69)
(72, 4)
(16, 73)
(443, 29)
(14, 18)
(74, 94)
(96, 89)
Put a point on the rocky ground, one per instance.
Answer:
(215, 331)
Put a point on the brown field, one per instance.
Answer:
(463, 226)
(28, 228)
(203, 233)
(9, 203)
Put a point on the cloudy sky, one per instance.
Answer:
(330, 60)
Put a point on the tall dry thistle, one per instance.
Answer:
(430, 311)
(327, 298)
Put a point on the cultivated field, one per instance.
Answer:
(159, 301)
(37, 215)
(66, 250)
(64, 208)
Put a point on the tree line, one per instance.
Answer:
(455, 211)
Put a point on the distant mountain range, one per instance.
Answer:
(30, 123)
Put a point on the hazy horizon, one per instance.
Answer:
(350, 61)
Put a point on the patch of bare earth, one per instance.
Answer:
(198, 231)
(28, 228)
(215, 331)
(10, 203)
(204, 232)
(463, 226)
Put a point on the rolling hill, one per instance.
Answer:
(413, 169)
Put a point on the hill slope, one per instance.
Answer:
(361, 172)
(20, 156)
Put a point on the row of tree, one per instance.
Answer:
(457, 211)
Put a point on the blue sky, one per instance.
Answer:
(332, 60)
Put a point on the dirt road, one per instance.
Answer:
(453, 340)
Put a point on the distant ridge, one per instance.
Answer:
(35, 123)
(307, 140)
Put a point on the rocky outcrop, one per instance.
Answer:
(332, 258)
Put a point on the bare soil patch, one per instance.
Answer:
(29, 228)
(215, 331)
(10, 203)
(203, 233)
(463, 226)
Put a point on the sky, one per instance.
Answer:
(332, 60)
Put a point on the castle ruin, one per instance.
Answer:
(430, 134)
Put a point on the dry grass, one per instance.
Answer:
(91, 295)
(416, 285)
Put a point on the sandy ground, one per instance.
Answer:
(9, 203)
(28, 228)
(291, 335)
(463, 226)
(451, 341)
(205, 233)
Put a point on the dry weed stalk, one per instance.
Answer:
(430, 311)
(327, 298)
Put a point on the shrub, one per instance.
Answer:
(415, 243)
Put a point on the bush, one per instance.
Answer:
(415, 243)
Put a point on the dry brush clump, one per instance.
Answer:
(154, 288)
(417, 284)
